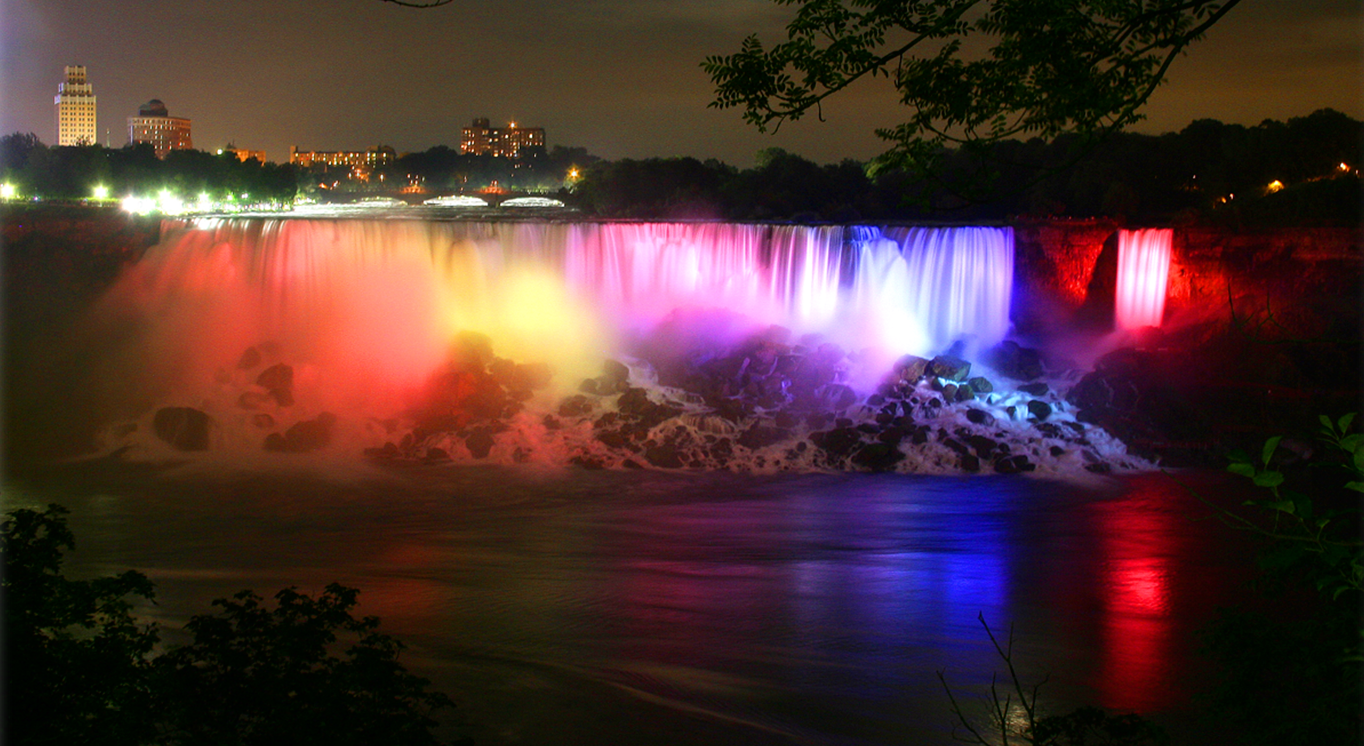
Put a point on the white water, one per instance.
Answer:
(1143, 272)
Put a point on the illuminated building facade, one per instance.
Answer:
(75, 108)
(501, 142)
(360, 162)
(242, 154)
(154, 125)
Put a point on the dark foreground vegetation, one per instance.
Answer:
(82, 669)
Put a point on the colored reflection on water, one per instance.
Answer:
(627, 607)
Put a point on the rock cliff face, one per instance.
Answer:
(57, 260)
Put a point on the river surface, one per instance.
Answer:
(577, 607)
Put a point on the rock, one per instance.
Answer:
(308, 435)
(263, 421)
(980, 385)
(762, 436)
(839, 441)
(184, 428)
(964, 393)
(983, 446)
(480, 442)
(278, 377)
(1014, 361)
(949, 392)
(575, 406)
(980, 417)
(970, 463)
(836, 396)
(949, 367)
(436, 455)
(249, 359)
(908, 369)
(1036, 388)
(878, 456)
(587, 462)
(1039, 409)
(255, 399)
(1014, 464)
(663, 456)
(472, 352)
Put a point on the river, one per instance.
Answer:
(563, 606)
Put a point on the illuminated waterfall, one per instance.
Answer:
(365, 307)
(1143, 271)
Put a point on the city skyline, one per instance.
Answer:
(619, 78)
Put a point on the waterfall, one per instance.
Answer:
(370, 306)
(1143, 270)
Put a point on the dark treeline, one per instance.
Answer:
(1286, 173)
(73, 172)
(1209, 169)
(443, 170)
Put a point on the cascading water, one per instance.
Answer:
(380, 300)
(432, 340)
(1143, 271)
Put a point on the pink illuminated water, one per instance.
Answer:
(1143, 272)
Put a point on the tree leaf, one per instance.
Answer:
(1270, 445)
(1242, 468)
(1269, 479)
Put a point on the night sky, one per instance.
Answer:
(619, 77)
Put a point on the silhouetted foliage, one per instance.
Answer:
(76, 661)
(80, 669)
(969, 73)
(254, 675)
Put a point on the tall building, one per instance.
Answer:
(500, 142)
(154, 124)
(75, 105)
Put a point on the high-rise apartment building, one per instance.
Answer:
(154, 125)
(500, 142)
(75, 109)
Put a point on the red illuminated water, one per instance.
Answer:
(647, 608)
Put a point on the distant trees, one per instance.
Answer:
(72, 172)
(1209, 170)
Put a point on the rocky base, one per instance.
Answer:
(764, 405)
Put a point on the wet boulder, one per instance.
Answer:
(278, 379)
(183, 428)
(304, 436)
(1015, 361)
(949, 367)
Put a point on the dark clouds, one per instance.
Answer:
(621, 77)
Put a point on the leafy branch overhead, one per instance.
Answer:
(969, 72)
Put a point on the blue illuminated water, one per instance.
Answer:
(649, 608)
